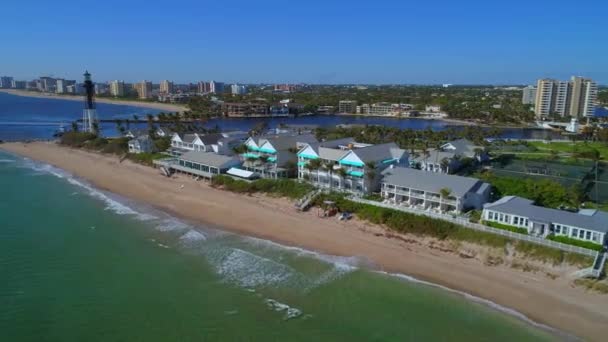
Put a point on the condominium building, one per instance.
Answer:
(529, 95)
(166, 87)
(101, 88)
(433, 191)
(117, 88)
(6, 82)
(19, 84)
(210, 87)
(47, 84)
(271, 156)
(346, 165)
(586, 224)
(381, 108)
(236, 89)
(61, 85)
(347, 106)
(252, 109)
(576, 98)
(144, 89)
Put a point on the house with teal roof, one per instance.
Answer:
(347, 165)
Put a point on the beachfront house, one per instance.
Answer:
(346, 165)
(201, 164)
(433, 191)
(273, 156)
(586, 224)
(164, 132)
(141, 144)
(448, 157)
(220, 143)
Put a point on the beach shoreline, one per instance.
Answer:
(555, 303)
(153, 105)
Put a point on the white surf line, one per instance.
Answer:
(486, 302)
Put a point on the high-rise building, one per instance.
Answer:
(101, 88)
(18, 84)
(166, 87)
(144, 89)
(61, 85)
(238, 89)
(575, 98)
(584, 97)
(216, 87)
(6, 82)
(529, 95)
(47, 84)
(347, 106)
(117, 88)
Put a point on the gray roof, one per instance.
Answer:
(211, 138)
(380, 152)
(331, 153)
(285, 142)
(589, 219)
(208, 158)
(434, 156)
(432, 182)
(463, 147)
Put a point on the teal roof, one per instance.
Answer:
(250, 155)
(267, 150)
(253, 148)
(308, 156)
(347, 162)
(355, 173)
(272, 159)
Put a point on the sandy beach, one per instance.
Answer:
(546, 295)
(155, 105)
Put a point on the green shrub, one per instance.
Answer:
(506, 227)
(76, 139)
(116, 146)
(281, 187)
(575, 242)
(145, 158)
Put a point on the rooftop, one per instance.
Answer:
(591, 219)
(208, 158)
(432, 182)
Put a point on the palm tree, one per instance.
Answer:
(445, 193)
(445, 165)
(314, 164)
(478, 152)
(370, 172)
(329, 167)
(342, 174)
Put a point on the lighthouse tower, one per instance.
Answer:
(89, 114)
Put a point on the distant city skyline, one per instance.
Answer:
(338, 42)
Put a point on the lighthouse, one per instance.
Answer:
(89, 114)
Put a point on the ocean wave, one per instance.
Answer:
(193, 236)
(111, 204)
(248, 270)
(172, 224)
(290, 312)
(7, 160)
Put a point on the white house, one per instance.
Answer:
(220, 143)
(448, 157)
(423, 190)
(142, 144)
(586, 224)
(346, 165)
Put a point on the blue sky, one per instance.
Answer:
(423, 42)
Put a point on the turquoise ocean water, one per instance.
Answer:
(78, 264)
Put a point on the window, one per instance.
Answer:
(581, 234)
(574, 232)
(565, 230)
(507, 218)
(500, 217)
(516, 220)
(490, 215)
(558, 228)
(596, 237)
(588, 235)
(526, 223)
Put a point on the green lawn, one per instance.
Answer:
(572, 147)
